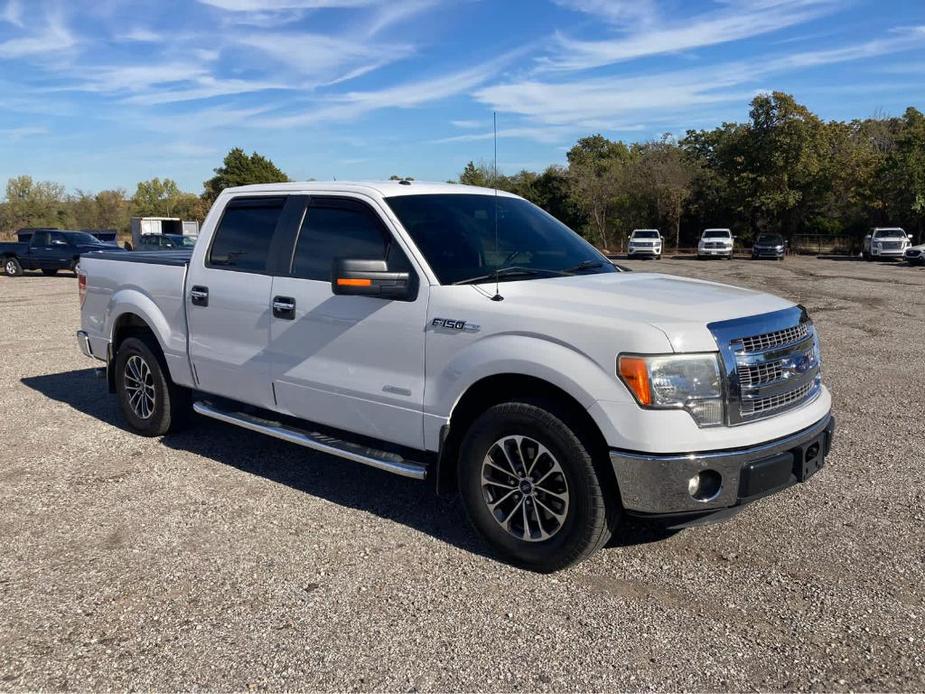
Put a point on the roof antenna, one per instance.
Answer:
(494, 118)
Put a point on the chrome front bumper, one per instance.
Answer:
(660, 484)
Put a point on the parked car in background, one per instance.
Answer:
(769, 246)
(886, 242)
(559, 393)
(165, 242)
(645, 243)
(50, 251)
(716, 243)
(915, 255)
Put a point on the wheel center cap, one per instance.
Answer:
(526, 487)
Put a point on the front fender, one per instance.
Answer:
(527, 355)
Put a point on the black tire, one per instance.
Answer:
(867, 256)
(49, 273)
(73, 266)
(11, 267)
(592, 511)
(171, 403)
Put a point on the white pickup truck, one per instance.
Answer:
(463, 335)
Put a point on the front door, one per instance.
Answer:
(228, 303)
(352, 362)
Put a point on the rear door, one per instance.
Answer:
(352, 362)
(42, 253)
(228, 302)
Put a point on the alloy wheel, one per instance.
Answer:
(139, 386)
(525, 488)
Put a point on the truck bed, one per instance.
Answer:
(172, 258)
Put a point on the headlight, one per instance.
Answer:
(691, 382)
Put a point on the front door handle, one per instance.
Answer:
(199, 296)
(284, 307)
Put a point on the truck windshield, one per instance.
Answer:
(889, 234)
(456, 233)
(645, 234)
(770, 240)
(82, 238)
(717, 234)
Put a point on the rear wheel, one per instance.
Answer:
(11, 267)
(152, 404)
(532, 489)
(73, 266)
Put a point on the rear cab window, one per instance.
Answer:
(244, 234)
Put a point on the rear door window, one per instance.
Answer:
(244, 234)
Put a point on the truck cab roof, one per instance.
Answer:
(384, 189)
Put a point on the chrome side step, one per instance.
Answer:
(384, 460)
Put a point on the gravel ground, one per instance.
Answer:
(223, 560)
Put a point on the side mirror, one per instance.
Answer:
(371, 278)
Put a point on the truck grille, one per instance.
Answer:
(771, 364)
(713, 244)
(891, 245)
(760, 343)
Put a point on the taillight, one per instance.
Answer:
(82, 287)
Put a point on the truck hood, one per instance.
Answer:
(679, 307)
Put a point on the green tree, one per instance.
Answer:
(156, 198)
(32, 203)
(597, 168)
(239, 169)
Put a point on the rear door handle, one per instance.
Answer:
(284, 307)
(199, 296)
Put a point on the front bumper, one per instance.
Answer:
(719, 252)
(659, 484)
(887, 253)
(644, 250)
(914, 257)
(767, 253)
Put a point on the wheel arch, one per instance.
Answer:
(506, 387)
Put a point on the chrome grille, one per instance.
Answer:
(776, 402)
(770, 363)
(891, 245)
(762, 343)
(756, 374)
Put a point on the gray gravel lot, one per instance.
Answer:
(219, 559)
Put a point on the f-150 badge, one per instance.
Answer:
(451, 324)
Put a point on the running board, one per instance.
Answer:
(384, 460)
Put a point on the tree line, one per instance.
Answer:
(785, 170)
(30, 203)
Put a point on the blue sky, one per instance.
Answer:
(103, 93)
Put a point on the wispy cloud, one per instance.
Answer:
(604, 102)
(54, 38)
(12, 13)
(21, 133)
(647, 36)
(273, 5)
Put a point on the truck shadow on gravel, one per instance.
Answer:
(342, 482)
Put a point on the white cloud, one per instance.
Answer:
(467, 123)
(54, 38)
(21, 133)
(653, 37)
(275, 5)
(635, 13)
(12, 13)
(537, 134)
(605, 102)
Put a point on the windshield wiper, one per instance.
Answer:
(583, 265)
(509, 271)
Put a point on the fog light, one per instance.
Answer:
(705, 486)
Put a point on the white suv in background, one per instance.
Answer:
(715, 243)
(645, 242)
(886, 242)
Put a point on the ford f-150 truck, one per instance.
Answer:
(49, 251)
(465, 335)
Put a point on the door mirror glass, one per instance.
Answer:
(371, 278)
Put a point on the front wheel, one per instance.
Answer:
(11, 267)
(532, 490)
(150, 401)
